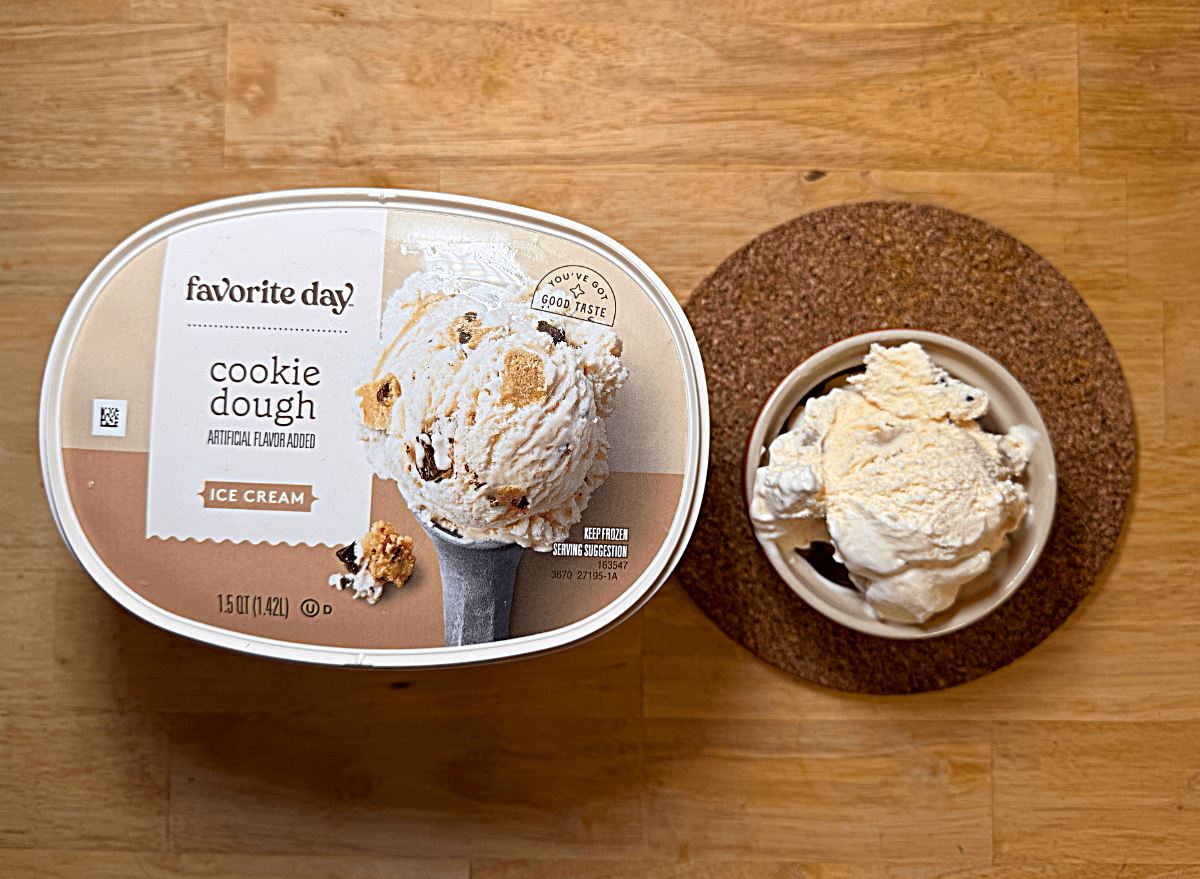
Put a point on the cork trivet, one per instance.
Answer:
(878, 265)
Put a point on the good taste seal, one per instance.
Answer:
(578, 292)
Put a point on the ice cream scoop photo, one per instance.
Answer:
(489, 417)
(889, 470)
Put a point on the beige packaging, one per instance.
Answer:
(205, 423)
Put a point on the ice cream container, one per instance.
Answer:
(375, 428)
(816, 579)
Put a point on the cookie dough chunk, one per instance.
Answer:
(378, 397)
(524, 378)
(389, 556)
(383, 556)
(509, 495)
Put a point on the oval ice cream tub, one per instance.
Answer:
(375, 428)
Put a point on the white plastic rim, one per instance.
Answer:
(1010, 405)
(656, 573)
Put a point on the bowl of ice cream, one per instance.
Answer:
(902, 483)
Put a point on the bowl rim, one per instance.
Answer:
(784, 399)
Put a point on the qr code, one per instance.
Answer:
(108, 417)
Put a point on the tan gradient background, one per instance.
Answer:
(108, 492)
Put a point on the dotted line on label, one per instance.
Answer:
(284, 329)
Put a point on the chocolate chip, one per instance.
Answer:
(464, 336)
(820, 556)
(522, 503)
(470, 315)
(552, 331)
(384, 393)
(425, 466)
(346, 556)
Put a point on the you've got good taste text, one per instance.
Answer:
(283, 409)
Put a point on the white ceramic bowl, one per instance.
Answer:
(1010, 405)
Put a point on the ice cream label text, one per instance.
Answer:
(283, 497)
(269, 292)
(261, 320)
(282, 410)
(578, 292)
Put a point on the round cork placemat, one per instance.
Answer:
(855, 268)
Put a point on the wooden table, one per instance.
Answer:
(662, 749)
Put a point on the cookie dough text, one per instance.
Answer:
(282, 410)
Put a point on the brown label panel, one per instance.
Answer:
(281, 591)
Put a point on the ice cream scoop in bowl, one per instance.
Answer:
(906, 499)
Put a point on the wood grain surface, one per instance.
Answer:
(660, 749)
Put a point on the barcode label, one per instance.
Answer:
(108, 417)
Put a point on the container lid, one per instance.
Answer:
(218, 420)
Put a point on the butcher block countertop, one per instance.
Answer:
(661, 749)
